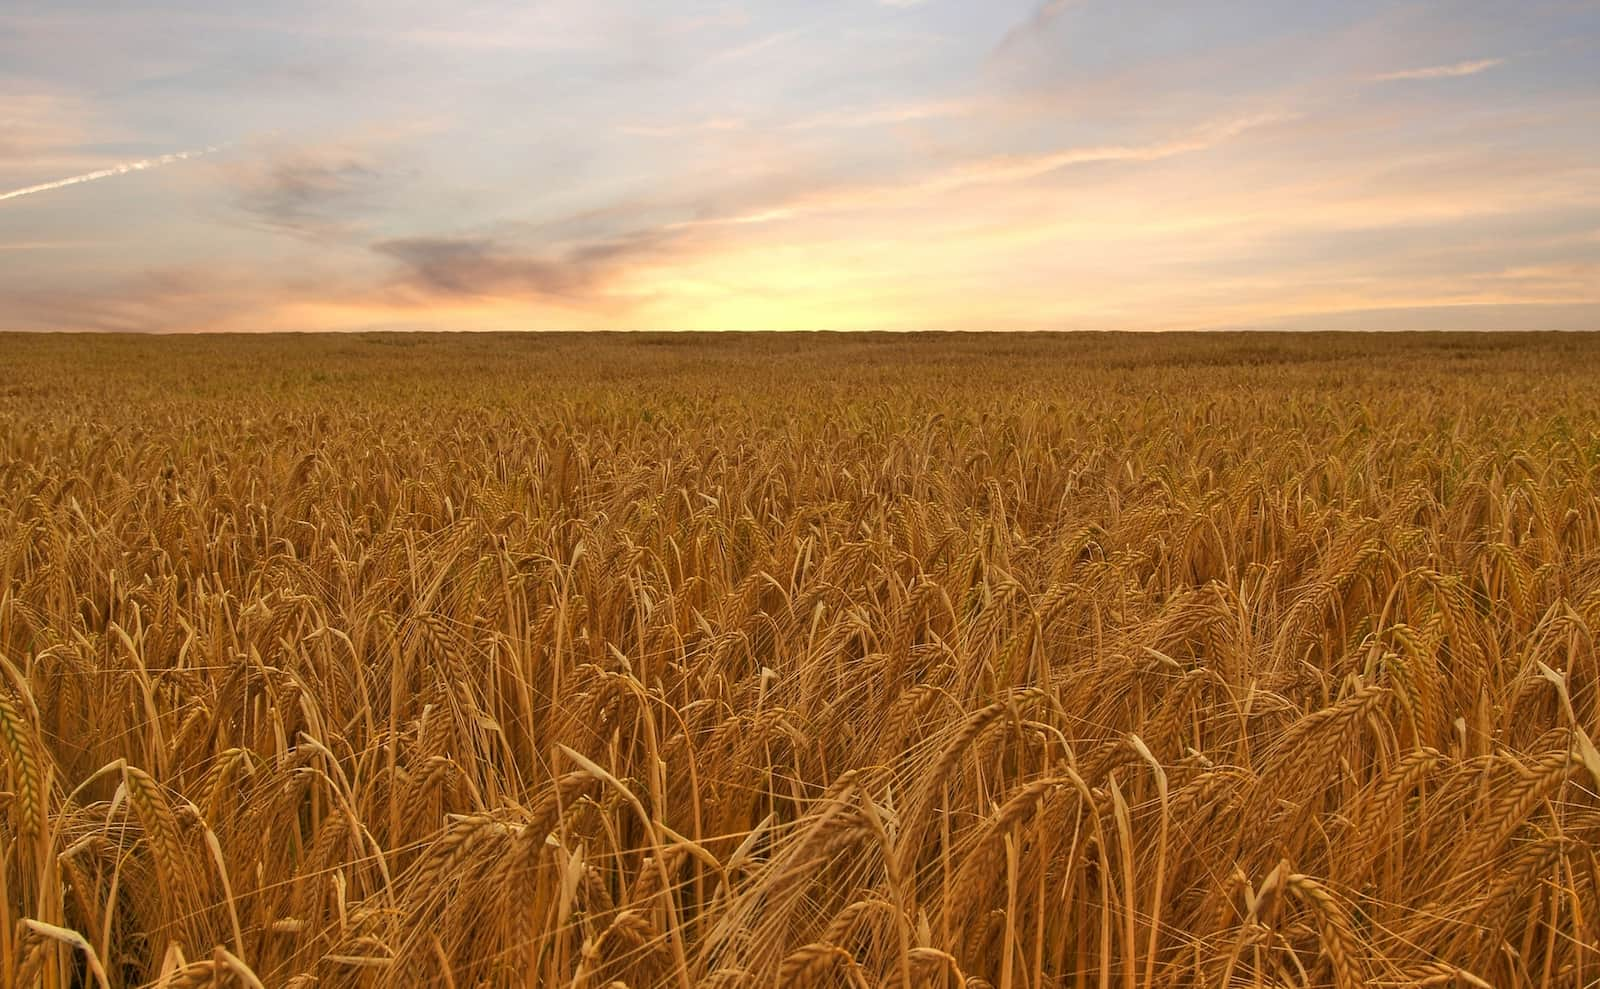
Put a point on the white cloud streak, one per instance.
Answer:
(994, 171)
(105, 173)
(1453, 71)
(1020, 168)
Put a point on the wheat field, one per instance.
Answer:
(721, 661)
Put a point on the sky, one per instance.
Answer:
(195, 165)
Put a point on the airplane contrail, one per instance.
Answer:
(106, 173)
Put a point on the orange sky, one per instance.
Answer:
(840, 164)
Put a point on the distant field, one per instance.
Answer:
(682, 661)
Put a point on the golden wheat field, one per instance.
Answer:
(720, 661)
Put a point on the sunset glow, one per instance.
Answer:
(186, 166)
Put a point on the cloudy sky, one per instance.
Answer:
(754, 164)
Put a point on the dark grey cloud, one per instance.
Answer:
(307, 193)
(488, 267)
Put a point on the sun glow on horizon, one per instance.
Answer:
(757, 165)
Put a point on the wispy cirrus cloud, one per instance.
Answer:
(1454, 70)
(1019, 168)
(887, 116)
(990, 171)
(44, 245)
(709, 125)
